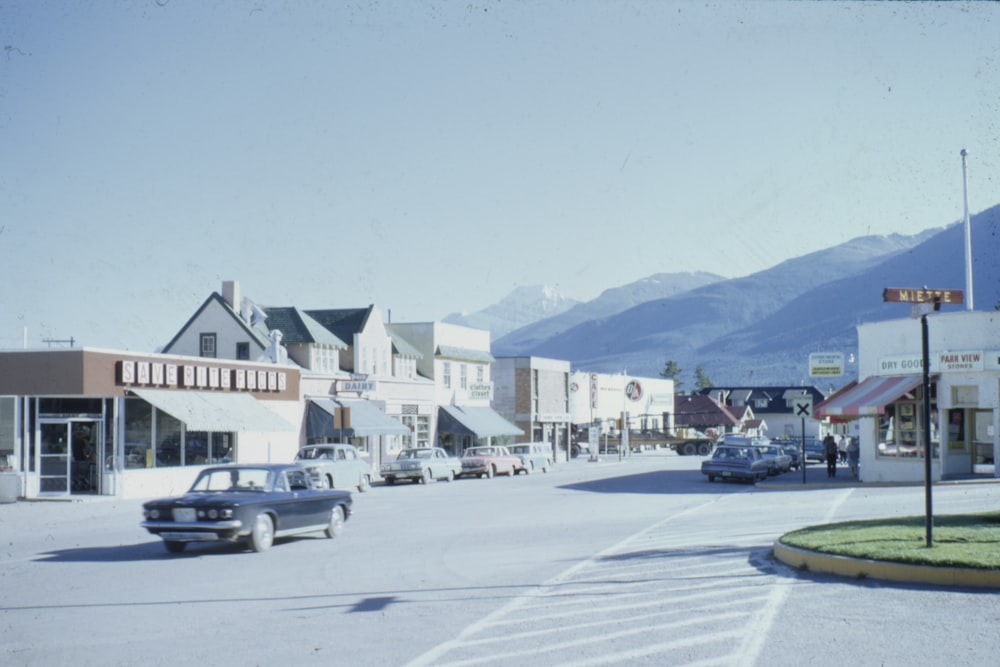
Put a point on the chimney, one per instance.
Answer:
(231, 293)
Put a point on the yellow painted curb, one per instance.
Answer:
(860, 568)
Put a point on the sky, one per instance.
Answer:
(430, 157)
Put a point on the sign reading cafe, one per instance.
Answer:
(194, 376)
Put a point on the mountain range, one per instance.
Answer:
(754, 330)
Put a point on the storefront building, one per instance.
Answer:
(885, 409)
(535, 392)
(103, 422)
(603, 398)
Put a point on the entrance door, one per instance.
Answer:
(69, 456)
(54, 458)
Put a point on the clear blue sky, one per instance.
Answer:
(430, 157)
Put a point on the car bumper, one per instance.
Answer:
(194, 531)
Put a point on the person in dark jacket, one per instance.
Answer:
(830, 448)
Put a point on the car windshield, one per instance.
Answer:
(481, 451)
(232, 479)
(312, 453)
(415, 454)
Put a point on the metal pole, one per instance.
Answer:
(968, 235)
(927, 431)
(802, 456)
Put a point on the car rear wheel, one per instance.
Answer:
(451, 476)
(530, 468)
(711, 478)
(490, 472)
(336, 525)
(175, 547)
(390, 480)
(262, 535)
(545, 468)
(366, 483)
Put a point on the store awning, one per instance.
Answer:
(482, 422)
(364, 419)
(209, 411)
(868, 397)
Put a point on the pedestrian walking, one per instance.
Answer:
(830, 449)
(842, 448)
(853, 454)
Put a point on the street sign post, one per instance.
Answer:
(803, 407)
(924, 297)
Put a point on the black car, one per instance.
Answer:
(256, 502)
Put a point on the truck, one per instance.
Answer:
(686, 442)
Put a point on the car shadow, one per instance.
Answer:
(153, 550)
(659, 482)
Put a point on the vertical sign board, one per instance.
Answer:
(826, 364)
(802, 407)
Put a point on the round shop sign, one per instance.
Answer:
(574, 386)
(633, 390)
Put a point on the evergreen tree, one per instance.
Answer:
(672, 371)
(702, 381)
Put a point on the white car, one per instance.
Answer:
(533, 455)
(336, 466)
(421, 464)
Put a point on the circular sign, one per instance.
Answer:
(633, 390)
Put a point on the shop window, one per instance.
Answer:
(207, 345)
(169, 440)
(900, 430)
(138, 433)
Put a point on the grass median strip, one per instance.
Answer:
(959, 540)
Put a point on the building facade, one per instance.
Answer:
(534, 391)
(885, 409)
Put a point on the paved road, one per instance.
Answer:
(638, 562)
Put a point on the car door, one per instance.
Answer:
(303, 505)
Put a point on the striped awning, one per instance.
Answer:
(210, 411)
(868, 397)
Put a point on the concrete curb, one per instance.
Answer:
(859, 568)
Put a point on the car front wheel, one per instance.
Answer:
(366, 483)
(426, 476)
(336, 525)
(262, 535)
(451, 476)
(490, 472)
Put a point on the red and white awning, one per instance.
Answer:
(868, 397)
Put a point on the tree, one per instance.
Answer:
(702, 381)
(672, 371)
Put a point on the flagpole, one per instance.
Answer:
(968, 235)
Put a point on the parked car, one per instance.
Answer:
(421, 464)
(777, 460)
(815, 450)
(792, 449)
(257, 503)
(739, 462)
(489, 461)
(336, 466)
(533, 455)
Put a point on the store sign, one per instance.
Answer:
(360, 386)
(826, 364)
(154, 374)
(593, 390)
(480, 390)
(633, 390)
(968, 360)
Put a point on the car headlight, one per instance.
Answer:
(153, 514)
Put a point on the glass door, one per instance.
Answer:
(54, 457)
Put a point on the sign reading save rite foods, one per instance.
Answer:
(153, 374)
